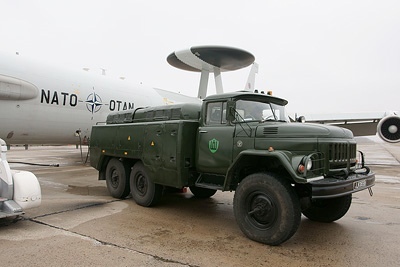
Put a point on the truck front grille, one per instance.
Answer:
(341, 154)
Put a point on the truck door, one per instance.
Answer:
(215, 139)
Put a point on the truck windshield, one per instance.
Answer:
(247, 110)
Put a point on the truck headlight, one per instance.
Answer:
(309, 164)
(306, 164)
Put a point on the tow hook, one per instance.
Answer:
(370, 191)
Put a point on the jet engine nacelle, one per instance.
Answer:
(389, 129)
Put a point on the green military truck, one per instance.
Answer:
(240, 142)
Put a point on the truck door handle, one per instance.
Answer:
(202, 131)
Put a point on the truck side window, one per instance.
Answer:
(216, 113)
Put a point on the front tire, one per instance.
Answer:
(266, 208)
(328, 210)
(144, 191)
(116, 179)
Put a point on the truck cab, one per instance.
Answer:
(228, 126)
(243, 132)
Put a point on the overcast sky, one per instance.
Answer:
(323, 56)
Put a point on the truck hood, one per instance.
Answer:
(301, 130)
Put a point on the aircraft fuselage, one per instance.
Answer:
(41, 104)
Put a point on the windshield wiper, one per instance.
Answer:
(265, 120)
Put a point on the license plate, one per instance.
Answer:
(359, 184)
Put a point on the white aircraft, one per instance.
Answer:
(41, 104)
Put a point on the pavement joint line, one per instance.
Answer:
(104, 243)
(78, 208)
(384, 164)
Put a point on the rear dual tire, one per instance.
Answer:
(117, 178)
(144, 191)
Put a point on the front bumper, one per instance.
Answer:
(331, 187)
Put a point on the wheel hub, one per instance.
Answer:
(141, 184)
(114, 179)
(262, 211)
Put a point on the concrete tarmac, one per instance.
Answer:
(78, 223)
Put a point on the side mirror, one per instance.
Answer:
(301, 119)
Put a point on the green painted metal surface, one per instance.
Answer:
(226, 135)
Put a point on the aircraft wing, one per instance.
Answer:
(386, 124)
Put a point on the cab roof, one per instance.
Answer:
(248, 96)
